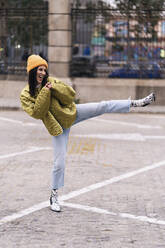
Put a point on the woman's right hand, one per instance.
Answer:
(48, 85)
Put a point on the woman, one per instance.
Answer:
(52, 101)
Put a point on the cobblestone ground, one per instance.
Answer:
(123, 152)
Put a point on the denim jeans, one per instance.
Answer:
(84, 112)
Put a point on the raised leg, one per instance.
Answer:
(90, 110)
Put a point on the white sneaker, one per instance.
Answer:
(143, 102)
(54, 204)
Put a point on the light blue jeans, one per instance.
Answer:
(84, 112)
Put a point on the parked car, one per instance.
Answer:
(101, 59)
(82, 66)
(101, 66)
(138, 70)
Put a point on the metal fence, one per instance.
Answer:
(23, 31)
(108, 43)
(105, 42)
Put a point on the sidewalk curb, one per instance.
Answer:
(9, 108)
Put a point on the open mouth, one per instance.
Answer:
(40, 78)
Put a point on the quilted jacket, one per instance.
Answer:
(55, 107)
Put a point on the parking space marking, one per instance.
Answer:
(93, 119)
(120, 136)
(112, 180)
(125, 123)
(155, 137)
(84, 190)
(20, 122)
(121, 215)
(32, 149)
(153, 116)
(23, 213)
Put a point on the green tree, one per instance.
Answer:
(27, 22)
(146, 12)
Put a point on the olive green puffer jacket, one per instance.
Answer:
(55, 107)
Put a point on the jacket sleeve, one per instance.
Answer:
(62, 92)
(52, 124)
(37, 108)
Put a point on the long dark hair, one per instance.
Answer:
(32, 81)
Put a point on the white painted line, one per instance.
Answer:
(84, 190)
(155, 137)
(33, 149)
(153, 116)
(87, 208)
(120, 136)
(112, 180)
(142, 218)
(24, 213)
(122, 215)
(10, 120)
(93, 119)
(20, 122)
(114, 136)
(125, 123)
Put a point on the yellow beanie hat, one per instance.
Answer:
(34, 61)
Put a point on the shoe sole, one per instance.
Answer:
(58, 211)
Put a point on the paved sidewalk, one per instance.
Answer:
(150, 109)
(9, 104)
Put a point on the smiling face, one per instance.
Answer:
(41, 73)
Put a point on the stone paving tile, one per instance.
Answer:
(25, 181)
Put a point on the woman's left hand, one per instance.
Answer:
(48, 85)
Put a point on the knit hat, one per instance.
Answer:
(35, 61)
